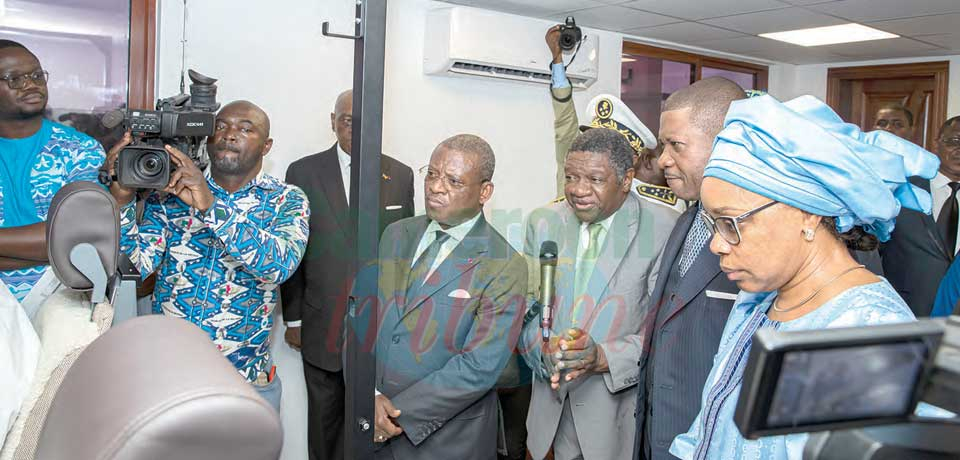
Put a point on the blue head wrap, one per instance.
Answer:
(801, 153)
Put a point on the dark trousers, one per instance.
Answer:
(325, 393)
(515, 402)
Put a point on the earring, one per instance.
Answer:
(808, 234)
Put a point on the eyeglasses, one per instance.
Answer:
(39, 78)
(953, 142)
(728, 227)
(450, 181)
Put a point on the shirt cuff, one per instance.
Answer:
(293, 323)
(376, 392)
(558, 76)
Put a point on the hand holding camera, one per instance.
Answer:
(563, 37)
(122, 194)
(187, 181)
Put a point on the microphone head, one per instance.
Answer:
(548, 253)
(112, 119)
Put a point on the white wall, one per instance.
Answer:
(282, 62)
(798, 80)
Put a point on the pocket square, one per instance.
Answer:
(721, 295)
(459, 294)
(393, 207)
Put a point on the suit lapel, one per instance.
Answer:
(464, 257)
(332, 183)
(929, 222)
(704, 269)
(671, 251)
(413, 233)
(616, 245)
(568, 238)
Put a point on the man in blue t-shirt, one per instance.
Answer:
(37, 158)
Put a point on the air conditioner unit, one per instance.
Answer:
(462, 41)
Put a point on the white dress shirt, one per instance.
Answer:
(940, 189)
(457, 234)
(585, 235)
(344, 158)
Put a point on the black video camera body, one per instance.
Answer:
(182, 121)
(570, 34)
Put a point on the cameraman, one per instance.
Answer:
(221, 243)
(37, 158)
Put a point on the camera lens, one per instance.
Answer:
(149, 164)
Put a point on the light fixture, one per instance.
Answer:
(623, 58)
(830, 35)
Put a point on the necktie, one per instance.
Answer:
(421, 267)
(585, 265)
(693, 244)
(948, 218)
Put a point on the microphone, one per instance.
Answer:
(548, 266)
(112, 119)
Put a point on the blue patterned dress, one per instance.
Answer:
(60, 156)
(220, 269)
(713, 434)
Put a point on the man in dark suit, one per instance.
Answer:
(450, 302)
(316, 296)
(692, 296)
(922, 246)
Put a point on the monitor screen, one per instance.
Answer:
(842, 384)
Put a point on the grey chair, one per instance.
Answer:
(153, 388)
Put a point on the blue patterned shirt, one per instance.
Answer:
(713, 434)
(220, 269)
(65, 156)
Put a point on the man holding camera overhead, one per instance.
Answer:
(221, 242)
(39, 157)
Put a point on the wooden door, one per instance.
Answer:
(856, 93)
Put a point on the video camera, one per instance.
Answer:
(856, 390)
(182, 121)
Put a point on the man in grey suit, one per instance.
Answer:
(692, 296)
(451, 290)
(608, 241)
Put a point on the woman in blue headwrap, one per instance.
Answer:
(789, 190)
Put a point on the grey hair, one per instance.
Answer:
(475, 145)
(608, 143)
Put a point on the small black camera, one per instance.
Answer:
(570, 34)
(182, 121)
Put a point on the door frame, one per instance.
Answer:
(143, 44)
(939, 70)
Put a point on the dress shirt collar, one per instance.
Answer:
(344, 157)
(457, 233)
(939, 182)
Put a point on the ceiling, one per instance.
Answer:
(926, 27)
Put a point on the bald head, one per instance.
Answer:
(249, 111)
(708, 101)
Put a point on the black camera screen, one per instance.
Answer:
(834, 385)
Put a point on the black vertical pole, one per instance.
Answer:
(360, 365)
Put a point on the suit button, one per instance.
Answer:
(673, 298)
(396, 339)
